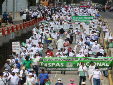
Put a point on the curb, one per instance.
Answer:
(109, 78)
(17, 20)
(109, 73)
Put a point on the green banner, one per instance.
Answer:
(82, 18)
(72, 64)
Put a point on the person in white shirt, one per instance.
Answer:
(30, 80)
(71, 54)
(24, 17)
(2, 80)
(104, 29)
(80, 54)
(14, 79)
(60, 43)
(23, 75)
(90, 70)
(59, 53)
(54, 40)
(33, 74)
(5, 76)
(97, 76)
(64, 55)
(36, 64)
(82, 72)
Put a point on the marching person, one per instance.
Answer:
(82, 72)
(90, 70)
(2, 80)
(97, 76)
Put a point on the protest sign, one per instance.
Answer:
(82, 18)
(72, 64)
(16, 47)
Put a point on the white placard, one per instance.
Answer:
(16, 47)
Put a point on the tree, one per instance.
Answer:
(100, 1)
(1, 2)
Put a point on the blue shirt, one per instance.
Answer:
(5, 15)
(42, 77)
(18, 65)
(97, 15)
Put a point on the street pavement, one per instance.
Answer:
(65, 79)
(109, 16)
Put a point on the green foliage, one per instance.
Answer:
(1, 2)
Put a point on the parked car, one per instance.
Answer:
(108, 7)
(101, 8)
(111, 9)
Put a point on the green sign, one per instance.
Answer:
(72, 64)
(82, 18)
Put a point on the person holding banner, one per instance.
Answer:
(90, 70)
(82, 72)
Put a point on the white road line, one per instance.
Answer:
(56, 73)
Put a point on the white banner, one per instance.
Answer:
(16, 47)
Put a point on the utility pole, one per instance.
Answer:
(13, 9)
(6, 6)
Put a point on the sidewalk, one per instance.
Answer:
(16, 19)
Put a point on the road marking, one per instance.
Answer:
(56, 73)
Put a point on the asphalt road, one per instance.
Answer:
(107, 14)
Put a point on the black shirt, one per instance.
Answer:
(3, 20)
(61, 31)
(10, 20)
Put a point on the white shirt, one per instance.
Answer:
(81, 69)
(54, 36)
(80, 55)
(71, 54)
(31, 80)
(48, 57)
(59, 53)
(35, 61)
(26, 73)
(67, 35)
(104, 28)
(96, 74)
(2, 81)
(24, 16)
(91, 69)
(14, 79)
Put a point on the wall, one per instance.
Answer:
(18, 5)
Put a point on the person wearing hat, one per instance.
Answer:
(12, 60)
(80, 54)
(2, 80)
(5, 75)
(14, 79)
(71, 82)
(23, 75)
(50, 52)
(110, 46)
(59, 81)
(82, 72)
(43, 77)
(59, 53)
(61, 31)
(83, 83)
(27, 63)
(30, 80)
(90, 70)
(33, 74)
(54, 38)
(7, 65)
(60, 43)
(97, 76)
(17, 64)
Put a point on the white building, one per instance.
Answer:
(18, 5)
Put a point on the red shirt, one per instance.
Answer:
(50, 53)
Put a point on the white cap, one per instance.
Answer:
(58, 49)
(59, 79)
(47, 53)
(30, 74)
(95, 42)
(6, 69)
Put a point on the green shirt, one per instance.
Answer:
(27, 64)
(110, 45)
